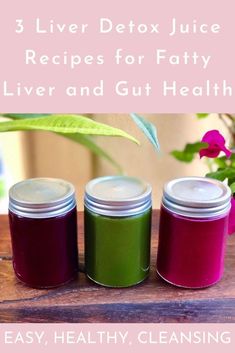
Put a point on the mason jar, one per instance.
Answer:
(43, 225)
(193, 231)
(117, 230)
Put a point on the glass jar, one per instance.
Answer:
(193, 231)
(117, 230)
(43, 225)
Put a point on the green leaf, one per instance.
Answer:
(2, 188)
(188, 153)
(232, 157)
(195, 147)
(84, 140)
(88, 142)
(231, 180)
(183, 156)
(24, 116)
(232, 187)
(222, 174)
(148, 129)
(66, 124)
(221, 162)
(202, 115)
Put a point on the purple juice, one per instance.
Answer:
(43, 225)
(193, 232)
(45, 250)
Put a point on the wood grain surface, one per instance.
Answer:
(84, 301)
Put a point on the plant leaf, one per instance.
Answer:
(202, 115)
(221, 162)
(188, 153)
(24, 116)
(232, 187)
(84, 140)
(222, 174)
(231, 180)
(66, 124)
(148, 129)
(183, 156)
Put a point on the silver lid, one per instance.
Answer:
(197, 197)
(41, 198)
(118, 196)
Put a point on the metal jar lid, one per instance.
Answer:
(118, 196)
(41, 198)
(197, 197)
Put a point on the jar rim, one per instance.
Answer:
(202, 197)
(101, 196)
(41, 197)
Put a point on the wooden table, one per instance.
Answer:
(84, 301)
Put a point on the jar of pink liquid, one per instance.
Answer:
(193, 231)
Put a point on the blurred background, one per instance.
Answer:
(43, 154)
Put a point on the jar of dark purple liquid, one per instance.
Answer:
(43, 225)
(193, 231)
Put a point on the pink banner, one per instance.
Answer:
(89, 338)
(106, 56)
(117, 56)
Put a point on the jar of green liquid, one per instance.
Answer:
(117, 230)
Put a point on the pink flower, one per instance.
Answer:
(216, 144)
(231, 222)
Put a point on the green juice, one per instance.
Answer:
(117, 249)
